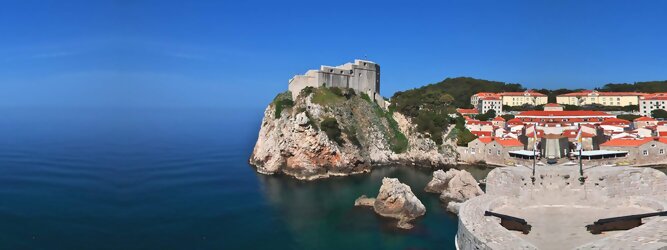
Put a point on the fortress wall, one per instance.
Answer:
(559, 185)
(362, 76)
(477, 231)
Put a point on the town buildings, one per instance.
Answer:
(588, 97)
(640, 151)
(489, 102)
(528, 97)
(650, 102)
(485, 101)
(559, 117)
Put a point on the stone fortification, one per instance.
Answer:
(558, 207)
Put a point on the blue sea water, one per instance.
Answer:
(179, 179)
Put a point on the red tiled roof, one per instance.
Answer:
(498, 118)
(662, 133)
(481, 133)
(485, 94)
(563, 113)
(510, 142)
(485, 140)
(655, 96)
(489, 97)
(515, 121)
(572, 133)
(477, 122)
(615, 121)
(467, 111)
(644, 119)
(626, 142)
(528, 92)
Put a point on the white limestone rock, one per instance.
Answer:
(455, 186)
(293, 145)
(396, 200)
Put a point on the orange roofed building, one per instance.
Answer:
(588, 97)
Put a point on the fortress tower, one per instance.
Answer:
(362, 76)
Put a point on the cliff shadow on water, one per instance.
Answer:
(321, 214)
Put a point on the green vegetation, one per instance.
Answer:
(306, 91)
(330, 127)
(351, 133)
(507, 117)
(628, 117)
(282, 101)
(489, 115)
(365, 97)
(646, 87)
(524, 107)
(326, 96)
(463, 135)
(659, 114)
(398, 142)
(428, 107)
(462, 88)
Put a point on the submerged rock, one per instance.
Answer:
(454, 186)
(396, 200)
(364, 201)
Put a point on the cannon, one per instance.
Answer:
(511, 222)
(620, 223)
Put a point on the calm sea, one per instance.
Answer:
(179, 179)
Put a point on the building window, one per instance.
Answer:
(489, 151)
(662, 151)
(498, 152)
(645, 152)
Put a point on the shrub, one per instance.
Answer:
(365, 97)
(330, 127)
(628, 117)
(336, 91)
(282, 101)
(306, 91)
(659, 114)
(507, 117)
(351, 133)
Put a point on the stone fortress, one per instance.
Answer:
(361, 75)
(559, 209)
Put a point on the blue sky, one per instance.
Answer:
(241, 53)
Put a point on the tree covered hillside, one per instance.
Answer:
(429, 106)
(462, 88)
(646, 87)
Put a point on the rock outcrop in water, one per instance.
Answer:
(454, 186)
(295, 140)
(395, 200)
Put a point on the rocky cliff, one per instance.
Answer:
(322, 134)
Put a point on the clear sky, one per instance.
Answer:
(241, 53)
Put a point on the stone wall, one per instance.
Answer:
(559, 186)
(362, 76)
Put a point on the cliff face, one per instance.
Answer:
(293, 140)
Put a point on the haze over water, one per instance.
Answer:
(179, 179)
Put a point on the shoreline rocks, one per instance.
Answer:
(454, 186)
(395, 200)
